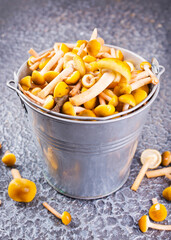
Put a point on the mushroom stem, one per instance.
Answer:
(141, 83)
(59, 65)
(105, 96)
(94, 34)
(66, 72)
(52, 210)
(94, 91)
(158, 172)
(154, 201)
(46, 54)
(75, 89)
(52, 62)
(34, 66)
(155, 80)
(78, 109)
(159, 226)
(125, 107)
(139, 76)
(168, 175)
(15, 173)
(101, 100)
(141, 174)
(81, 49)
(33, 53)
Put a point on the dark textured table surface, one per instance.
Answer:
(141, 26)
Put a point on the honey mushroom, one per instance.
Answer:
(159, 172)
(166, 158)
(21, 189)
(157, 211)
(167, 193)
(146, 66)
(144, 223)
(150, 158)
(9, 159)
(65, 216)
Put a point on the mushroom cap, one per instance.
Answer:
(29, 62)
(68, 109)
(143, 64)
(50, 75)
(89, 59)
(9, 159)
(64, 48)
(139, 95)
(88, 80)
(61, 90)
(127, 98)
(87, 113)
(49, 102)
(22, 190)
(158, 212)
(26, 81)
(167, 193)
(154, 155)
(166, 158)
(79, 65)
(73, 78)
(116, 65)
(66, 218)
(93, 47)
(104, 110)
(131, 65)
(114, 101)
(37, 78)
(143, 223)
(80, 42)
(43, 63)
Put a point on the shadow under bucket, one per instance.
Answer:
(86, 159)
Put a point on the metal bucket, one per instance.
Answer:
(86, 159)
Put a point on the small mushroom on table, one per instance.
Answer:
(157, 211)
(144, 223)
(65, 216)
(159, 172)
(21, 189)
(150, 158)
(166, 158)
(9, 159)
(167, 193)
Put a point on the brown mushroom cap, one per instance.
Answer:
(153, 155)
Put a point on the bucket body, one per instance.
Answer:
(86, 159)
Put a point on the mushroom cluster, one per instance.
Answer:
(94, 79)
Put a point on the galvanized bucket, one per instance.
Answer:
(87, 159)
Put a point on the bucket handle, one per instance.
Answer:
(11, 84)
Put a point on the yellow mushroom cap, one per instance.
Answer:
(26, 81)
(50, 75)
(145, 88)
(9, 159)
(157, 212)
(75, 76)
(66, 218)
(37, 78)
(119, 54)
(104, 110)
(43, 63)
(68, 109)
(79, 65)
(29, 62)
(115, 65)
(61, 89)
(124, 88)
(22, 190)
(143, 223)
(143, 64)
(80, 42)
(87, 113)
(114, 101)
(64, 48)
(89, 59)
(139, 95)
(154, 155)
(127, 98)
(167, 193)
(35, 90)
(49, 102)
(93, 47)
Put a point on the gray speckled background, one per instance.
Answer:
(141, 26)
